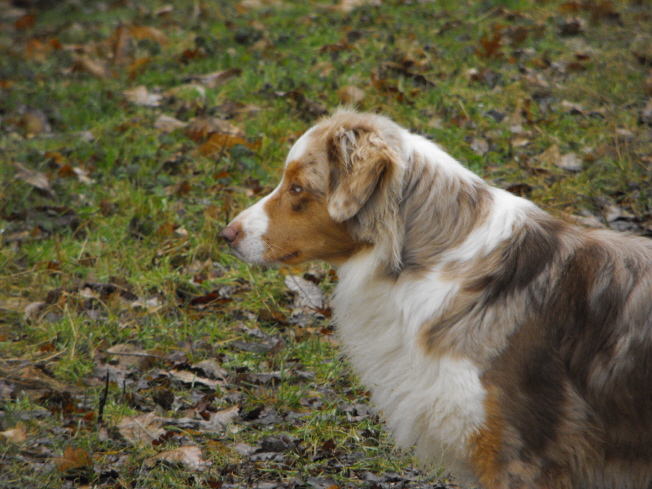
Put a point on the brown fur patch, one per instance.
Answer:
(487, 444)
(300, 227)
(576, 394)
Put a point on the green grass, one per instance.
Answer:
(149, 218)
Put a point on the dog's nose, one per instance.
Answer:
(230, 234)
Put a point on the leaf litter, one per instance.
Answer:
(184, 364)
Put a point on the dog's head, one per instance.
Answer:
(339, 194)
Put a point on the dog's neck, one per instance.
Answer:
(440, 207)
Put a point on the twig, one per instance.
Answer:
(103, 399)
(135, 354)
(228, 340)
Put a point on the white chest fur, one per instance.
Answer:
(433, 402)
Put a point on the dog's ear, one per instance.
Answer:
(365, 189)
(358, 161)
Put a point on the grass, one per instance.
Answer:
(124, 202)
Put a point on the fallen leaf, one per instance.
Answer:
(552, 155)
(34, 178)
(141, 429)
(307, 294)
(351, 95)
(33, 310)
(625, 135)
(570, 162)
(223, 418)
(212, 368)
(130, 356)
(91, 66)
(146, 32)
(190, 456)
(202, 127)
(25, 22)
(33, 122)
(17, 434)
(73, 459)
(347, 6)
(479, 146)
(212, 80)
(218, 142)
(194, 379)
(490, 45)
(141, 96)
(519, 140)
(121, 46)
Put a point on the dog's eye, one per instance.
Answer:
(295, 189)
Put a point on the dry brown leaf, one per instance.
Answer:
(72, 459)
(324, 68)
(520, 140)
(520, 116)
(91, 66)
(141, 96)
(572, 108)
(219, 142)
(480, 146)
(33, 310)
(169, 124)
(17, 434)
(121, 45)
(83, 175)
(491, 45)
(14, 304)
(347, 6)
(192, 378)
(141, 429)
(570, 162)
(351, 95)
(33, 122)
(212, 367)
(130, 356)
(138, 66)
(307, 294)
(212, 211)
(550, 156)
(146, 32)
(222, 418)
(190, 456)
(212, 80)
(201, 127)
(34, 178)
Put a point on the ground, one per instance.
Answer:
(135, 350)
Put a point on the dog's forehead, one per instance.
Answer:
(300, 147)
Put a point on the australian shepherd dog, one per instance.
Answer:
(506, 345)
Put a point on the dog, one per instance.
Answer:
(503, 343)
